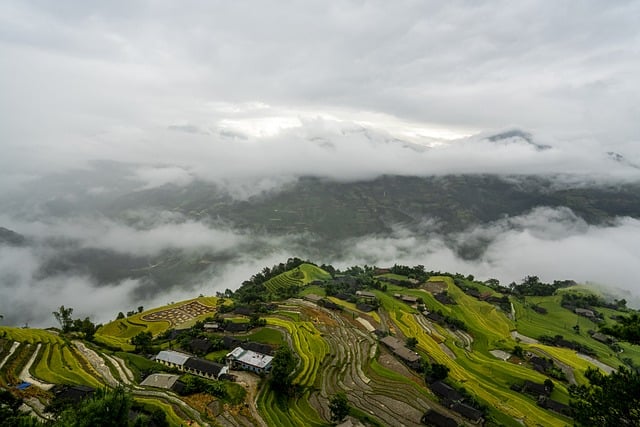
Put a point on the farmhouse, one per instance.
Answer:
(469, 412)
(315, 298)
(366, 296)
(584, 312)
(171, 358)
(249, 360)
(212, 327)
(398, 348)
(433, 418)
(599, 336)
(444, 391)
(200, 346)
(205, 368)
(535, 389)
(165, 381)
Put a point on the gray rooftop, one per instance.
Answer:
(160, 380)
(251, 358)
(171, 356)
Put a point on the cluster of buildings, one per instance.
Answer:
(238, 358)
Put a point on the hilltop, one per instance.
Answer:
(404, 344)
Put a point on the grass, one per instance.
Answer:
(268, 336)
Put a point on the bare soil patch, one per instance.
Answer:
(435, 287)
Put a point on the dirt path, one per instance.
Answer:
(121, 373)
(250, 382)
(523, 338)
(13, 348)
(25, 375)
(608, 369)
(97, 362)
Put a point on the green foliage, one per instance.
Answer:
(339, 406)
(628, 329)
(411, 342)
(282, 366)
(609, 400)
(63, 316)
(108, 408)
(142, 341)
(195, 384)
(518, 352)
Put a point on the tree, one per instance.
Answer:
(518, 352)
(609, 400)
(142, 341)
(628, 329)
(107, 408)
(140, 309)
(548, 384)
(120, 316)
(63, 316)
(339, 406)
(435, 372)
(282, 365)
(412, 342)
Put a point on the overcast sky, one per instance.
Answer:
(252, 94)
(141, 80)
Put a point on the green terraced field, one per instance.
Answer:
(308, 344)
(295, 413)
(299, 276)
(61, 364)
(30, 335)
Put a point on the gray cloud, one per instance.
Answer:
(252, 96)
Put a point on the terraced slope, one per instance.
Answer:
(118, 333)
(299, 276)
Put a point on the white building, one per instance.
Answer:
(249, 360)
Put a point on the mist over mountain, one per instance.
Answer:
(139, 244)
(177, 149)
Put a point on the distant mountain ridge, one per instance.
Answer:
(10, 237)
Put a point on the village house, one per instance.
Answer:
(434, 418)
(172, 359)
(164, 381)
(205, 368)
(469, 412)
(249, 360)
(586, 313)
(397, 347)
(445, 392)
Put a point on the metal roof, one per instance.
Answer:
(171, 356)
(250, 357)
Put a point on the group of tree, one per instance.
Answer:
(532, 286)
(627, 329)
(130, 313)
(282, 368)
(67, 324)
(106, 408)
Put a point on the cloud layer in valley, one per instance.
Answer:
(550, 243)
